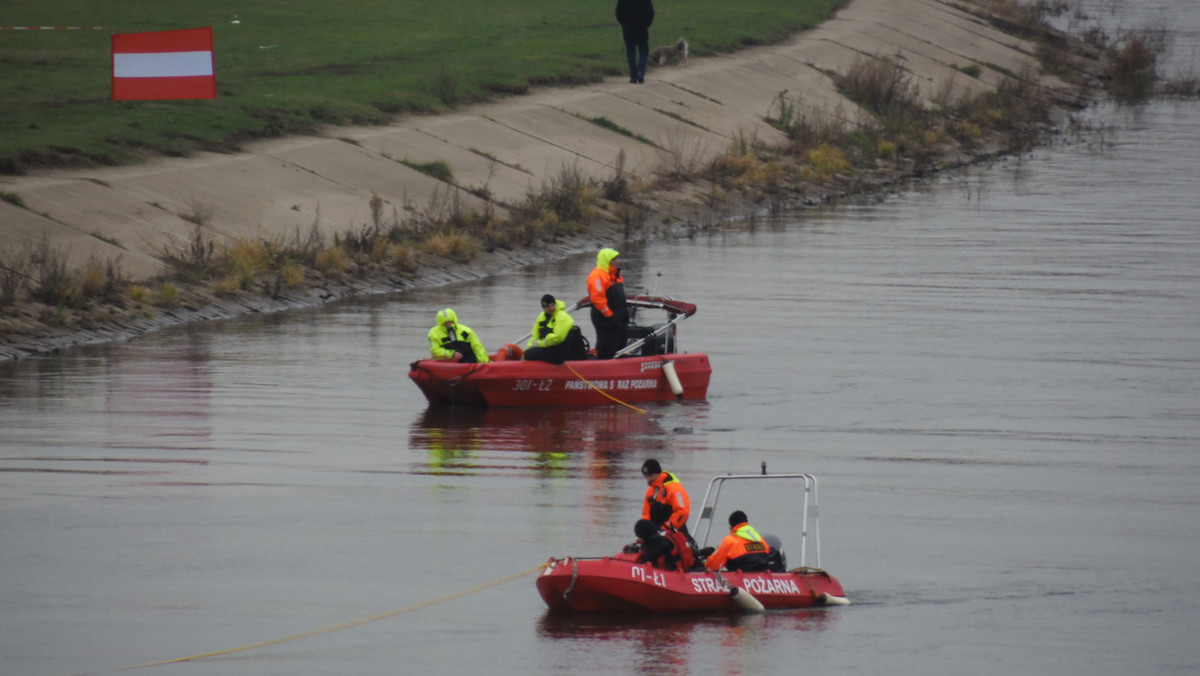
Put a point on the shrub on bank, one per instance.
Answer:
(1131, 70)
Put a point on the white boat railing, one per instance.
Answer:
(637, 344)
(704, 518)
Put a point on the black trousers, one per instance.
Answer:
(610, 334)
(464, 348)
(555, 354)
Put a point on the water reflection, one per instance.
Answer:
(672, 644)
(592, 448)
(162, 402)
(554, 441)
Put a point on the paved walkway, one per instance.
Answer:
(288, 187)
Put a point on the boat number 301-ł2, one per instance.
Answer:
(526, 385)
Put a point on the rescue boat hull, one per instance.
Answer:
(589, 382)
(619, 584)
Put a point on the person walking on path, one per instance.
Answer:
(606, 289)
(451, 341)
(635, 17)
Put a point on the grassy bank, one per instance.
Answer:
(900, 134)
(287, 67)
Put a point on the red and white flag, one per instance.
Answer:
(163, 65)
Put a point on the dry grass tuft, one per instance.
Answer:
(826, 161)
(453, 245)
(878, 84)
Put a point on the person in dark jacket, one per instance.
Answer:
(635, 17)
(657, 549)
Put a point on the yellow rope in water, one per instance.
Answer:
(589, 384)
(338, 627)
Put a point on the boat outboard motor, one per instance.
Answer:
(777, 560)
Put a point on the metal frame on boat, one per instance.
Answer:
(648, 368)
(705, 518)
(621, 584)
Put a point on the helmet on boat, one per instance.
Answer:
(644, 528)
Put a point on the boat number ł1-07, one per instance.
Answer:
(650, 575)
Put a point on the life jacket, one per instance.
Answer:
(669, 492)
(743, 549)
(687, 558)
(753, 554)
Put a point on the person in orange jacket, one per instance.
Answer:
(665, 492)
(743, 549)
(606, 289)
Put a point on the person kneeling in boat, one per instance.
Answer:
(665, 549)
(547, 341)
(451, 341)
(743, 549)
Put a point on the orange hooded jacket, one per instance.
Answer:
(602, 277)
(666, 488)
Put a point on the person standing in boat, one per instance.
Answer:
(451, 341)
(606, 289)
(665, 495)
(547, 341)
(743, 549)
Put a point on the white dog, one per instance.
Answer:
(678, 51)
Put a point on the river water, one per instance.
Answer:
(995, 377)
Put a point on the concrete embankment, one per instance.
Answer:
(297, 186)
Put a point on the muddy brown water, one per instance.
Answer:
(996, 379)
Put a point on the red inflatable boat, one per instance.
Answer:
(647, 369)
(619, 584)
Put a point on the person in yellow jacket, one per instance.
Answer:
(451, 341)
(606, 289)
(550, 329)
(743, 549)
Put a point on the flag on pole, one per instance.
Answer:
(163, 65)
